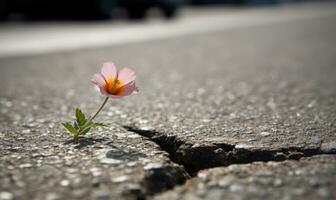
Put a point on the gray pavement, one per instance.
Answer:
(235, 96)
(311, 178)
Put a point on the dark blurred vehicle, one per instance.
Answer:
(137, 8)
(85, 9)
(245, 2)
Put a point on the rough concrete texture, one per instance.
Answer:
(259, 93)
(310, 178)
(37, 162)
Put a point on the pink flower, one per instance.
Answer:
(115, 83)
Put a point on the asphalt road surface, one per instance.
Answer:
(232, 110)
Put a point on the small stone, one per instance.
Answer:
(95, 171)
(65, 183)
(328, 147)
(133, 136)
(109, 161)
(219, 151)
(36, 155)
(280, 155)
(298, 172)
(120, 179)
(206, 120)
(146, 128)
(131, 164)
(8, 104)
(6, 195)
(265, 134)
(311, 104)
(26, 131)
(143, 121)
(150, 166)
(277, 182)
(68, 162)
(71, 170)
(242, 146)
(26, 165)
(196, 145)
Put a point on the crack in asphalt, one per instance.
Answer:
(198, 157)
(193, 158)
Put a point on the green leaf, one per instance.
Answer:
(86, 128)
(69, 127)
(75, 124)
(85, 131)
(80, 117)
(99, 125)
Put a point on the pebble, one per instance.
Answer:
(6, 195)
(96, 171)
(328, 147)
(65, 183)
(277, 182)
(150, 166)
(146, 128)
(120, 179)
(26, 131)
(131, 164)
(26, 165)
(242, 146)
(265, 134)
(109, 161)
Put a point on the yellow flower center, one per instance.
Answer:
(114, 86)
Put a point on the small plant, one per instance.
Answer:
(112, 83)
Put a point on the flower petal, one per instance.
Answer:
(105, 93)
(128, 89)
(109, 71)
(98, 79)
(126, 75)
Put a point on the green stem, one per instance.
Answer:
(76, 136)
(97, 112)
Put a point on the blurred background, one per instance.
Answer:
(39, 26)
(107, 9)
